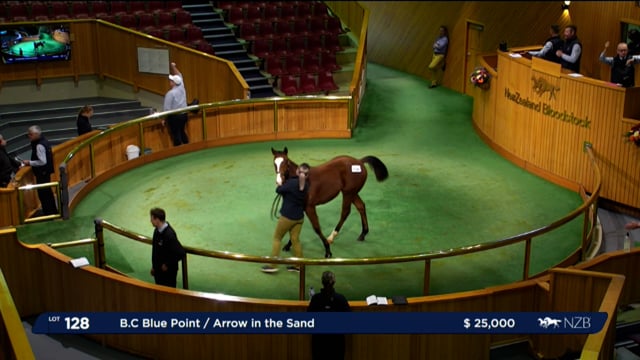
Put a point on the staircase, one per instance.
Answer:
(57, 119)
(227, 46)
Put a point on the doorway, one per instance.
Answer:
(471, 50)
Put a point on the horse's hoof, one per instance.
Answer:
(327, 255)
(361, 238)
(286, 248)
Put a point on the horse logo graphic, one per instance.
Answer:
(541, 86)
(547, 321)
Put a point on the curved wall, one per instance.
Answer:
(541, 118)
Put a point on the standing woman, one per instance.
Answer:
(83, 124)
(437, 65)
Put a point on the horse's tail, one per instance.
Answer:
(378, 167)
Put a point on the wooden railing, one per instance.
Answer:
(51, 284)
(587, 210)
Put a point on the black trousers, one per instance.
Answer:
(166, 278)
(47, 200)
(177, 124)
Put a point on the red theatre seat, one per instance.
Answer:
(17, 10)
(79, 8)
(193, 32)
(183, 17)
(289, 85)
(273, 65)
(334, 25)
(164, 18)
(332, 42)
(127, 20)
(311, 63)
(308, 83)
(326, 82)
(329, 62)
(293, 64)
(98, 8)
(137, 7)
(145, 19)
(155, 5)
(235, 15)
(117, 7)
(60, 8)
(39, 11)
(261, 48)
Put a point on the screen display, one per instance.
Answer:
(35, 42)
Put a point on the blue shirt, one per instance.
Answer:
(440, 45)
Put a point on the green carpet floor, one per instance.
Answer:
(446, 189)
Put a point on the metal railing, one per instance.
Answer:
(588, 209)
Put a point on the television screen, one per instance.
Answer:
(35, 42)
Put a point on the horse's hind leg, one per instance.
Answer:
(359, 204)
(313, 218)
(344, 214)
(287, 247)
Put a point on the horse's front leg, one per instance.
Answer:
(315, 223)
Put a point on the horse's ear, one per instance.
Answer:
(273, 151)
(285, 150)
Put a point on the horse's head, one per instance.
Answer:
(283, 166)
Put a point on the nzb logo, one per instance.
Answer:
(547, 321)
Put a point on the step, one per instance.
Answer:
(348, 55)
(198, 8)
(17, 111)
(210, 24)
(231, 54)
(15, 134)
(245, 62)
(221, 38)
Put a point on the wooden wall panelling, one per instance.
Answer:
(84, 55)
(548, 135)
(402, 32)
(351, 13)
(211, 123)
(157, 136)
(598, 22)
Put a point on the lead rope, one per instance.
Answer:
(274, 207)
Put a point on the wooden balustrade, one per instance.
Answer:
(540, 117)
(41, 279)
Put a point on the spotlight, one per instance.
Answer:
(565, 5)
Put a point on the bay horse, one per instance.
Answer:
(342, 174)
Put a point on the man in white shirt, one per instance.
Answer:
(176, 98)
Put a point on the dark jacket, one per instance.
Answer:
(166, 249)
(568, 46)
(83, 124)
(48, 168)
(621, 73)
(293, 200)
(8, 166)
(556, 44)
(328, 346)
